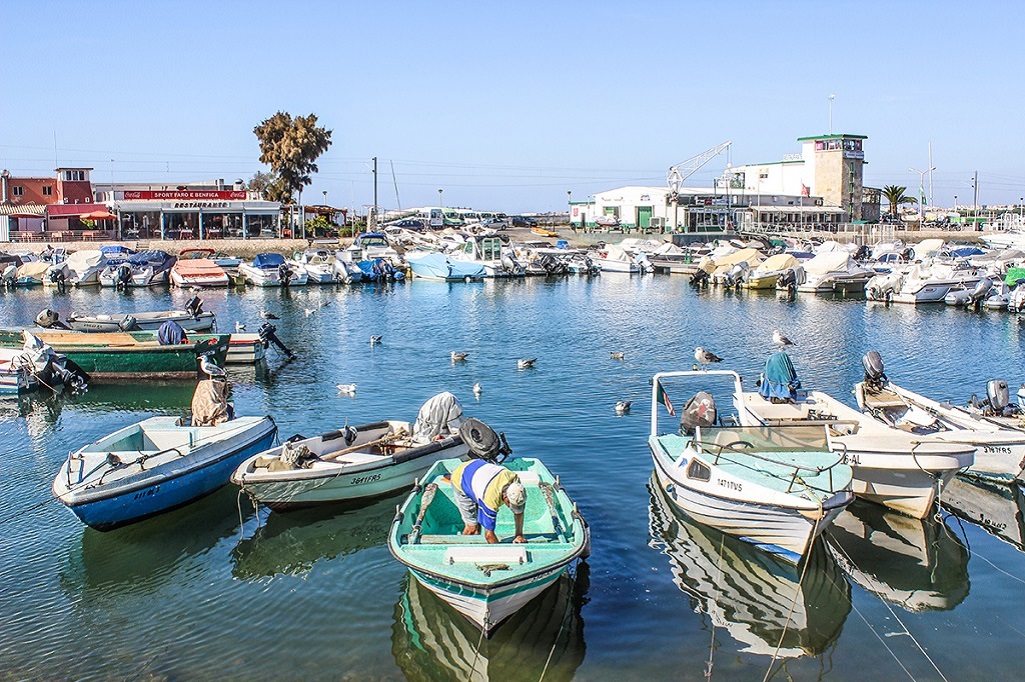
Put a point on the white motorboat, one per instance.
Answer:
(917, 564)
(139, 270)
(318, 264)
(833, 271)
(440, 266)
(344, 269)
(355, 464)
(995, 430)
(923, 282)
(615, 259)
(195, 268)
(899, 470)
(271, 270)
(489, 253)
(371, 246)
(84, 267)
(769, 606)
(776, 487)
(17, 374)
(199, 320)
(766, 274)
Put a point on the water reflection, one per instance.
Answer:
(136, 558)
(545, 639)
(750, 593)
(919, 565)
(999, 509)
(292, 543)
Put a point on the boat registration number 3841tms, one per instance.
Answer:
(360, 480)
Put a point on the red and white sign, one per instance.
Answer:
(185, 195)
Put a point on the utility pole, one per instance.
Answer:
(975, 185)
(375, 185)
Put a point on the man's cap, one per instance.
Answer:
(516, 497)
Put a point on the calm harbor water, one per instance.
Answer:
(217, 589)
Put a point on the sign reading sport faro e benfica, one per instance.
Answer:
(185, 195)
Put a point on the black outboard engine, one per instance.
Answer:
(875, 380)
(284, 274)
(699, 279)
(999, 396)
(907, 255)
(787, 280)
(863, 253)
(483, 442)
(122, 276)
(194, 306)
(980, 292)
(129, 324)
(267, 336)
(59, 279)
(698, 412)
(49, 319)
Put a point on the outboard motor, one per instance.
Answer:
(284, 274)
(698, 412)
(907, 255)
(863, 253)
(736, 275)
(9, 273)
(194, 306)
(980, 291)
(267, 336)
(787, 280)
(483, 442)
(123, 275)
(58, 279)
(699, 279)
(49, 319)
(129, 324)
(999, 395)
(875, 379)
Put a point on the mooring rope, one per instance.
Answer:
(26, 511)
(562, 625)
(715, 600)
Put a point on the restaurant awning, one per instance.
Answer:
(67, 210)
(22, 210)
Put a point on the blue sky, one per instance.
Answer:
(507, 106)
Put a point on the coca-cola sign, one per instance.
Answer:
(185, 195)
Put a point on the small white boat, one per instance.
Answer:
(198, 321)
(154, 466)
(775, 487)
(271, 270)
(615, 259)
(488, 253)
(999, 440)
(139, 270)
(195, 268)
(16, 372)
(930, 281)
(318, 264)
(894, 468)
(487, 583)
(441, 267)
(999, 509)
(354, 464)
(84, 267)
(833, 271)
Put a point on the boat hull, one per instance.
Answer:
(144, 321)
(165, 494)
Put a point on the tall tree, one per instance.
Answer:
(895, 195)
(271, 187)
(291, 148)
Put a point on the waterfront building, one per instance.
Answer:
(820, 187)
(29, 204)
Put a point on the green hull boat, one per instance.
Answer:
(126, 355)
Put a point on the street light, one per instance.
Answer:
(441, 204)
(921, 191)
(569, 207)
(832, 96)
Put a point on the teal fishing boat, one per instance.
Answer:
(487, 583)
(127, 355)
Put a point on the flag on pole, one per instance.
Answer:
(663, 398)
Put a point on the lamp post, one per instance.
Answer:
(921, 191)
(441, 204)
(832, 96)
(569, 207)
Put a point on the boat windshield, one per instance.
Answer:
(785, 438)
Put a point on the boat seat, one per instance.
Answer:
(479, 539)
(165, 440)
(487, 554)
(529, 477)
(884, 399)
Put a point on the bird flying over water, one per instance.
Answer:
(704, 357)
(458, 357)
(348, 389)
(623, 406)
(781, 340)
(374, 340)
(617, 355)
(526, 364)
(267, 315)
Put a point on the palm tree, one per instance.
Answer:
(895, 195)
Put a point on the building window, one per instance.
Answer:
(47, 191)
(17, 190)
(74, 176)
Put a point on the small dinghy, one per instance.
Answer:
(354, 464)
(487, 583)
(138, 270)
(775, 487)
(161, 463)
(192, 318)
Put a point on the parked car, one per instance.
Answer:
(495, 223)
(523, 221)
(409, 224)
(606, 221)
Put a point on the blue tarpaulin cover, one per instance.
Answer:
(171, 333)
(268, 260)
(779, 378)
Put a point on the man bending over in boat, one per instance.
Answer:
(481, 488)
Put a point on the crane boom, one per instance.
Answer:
(680, 172)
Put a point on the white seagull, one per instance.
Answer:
(374, 340)
(617, 355)
(526, 364)
(268, 315)
(309, 311)
(458, 357)
(623, 406)
(477, 390)
(348, 389)
(781, 340)
(705, 357)
(239, 327)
